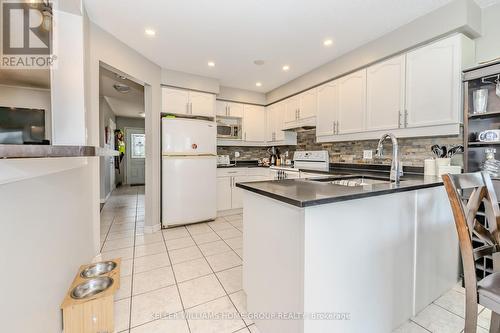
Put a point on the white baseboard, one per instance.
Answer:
(149, 229)
(106, 199)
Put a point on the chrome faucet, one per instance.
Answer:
(396, 166)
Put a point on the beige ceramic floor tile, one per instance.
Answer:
(206, 237)
(164, 325)
(120, 243)
(125, 254)
(200, 290)
(199, 228)
(239, 300)
(125, 290)
(253, 329)
(154, 279)
(410, 327)
(191, 269)
(235, 243)
(185, 254)
(149, 238)
(120, 234)
(229, 233)
(154, 304)
(223, 261)
(126, 267)
(231, 279)
(484, 318)
(174, 233)
(209, 249)
(233, 217)
(454, 302)
(437, 319)
(149, 249)
(218, 226)
(121, 314)
(147, 263)
(180, 243)
(216, 309)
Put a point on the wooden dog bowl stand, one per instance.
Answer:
(94, 314)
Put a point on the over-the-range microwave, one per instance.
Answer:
(229, 128)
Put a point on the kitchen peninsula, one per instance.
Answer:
(368, 256)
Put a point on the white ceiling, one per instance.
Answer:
(234, 33)
(129, 104)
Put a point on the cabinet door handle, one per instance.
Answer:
(338, 122)
(399, 119)
(187, 108)
(298, 114)
(245, 136)
(406, 118)
(228, 110)
(191, 107)
(334, 125)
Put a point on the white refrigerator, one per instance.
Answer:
(189, 166)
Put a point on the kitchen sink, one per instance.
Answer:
(353, 180)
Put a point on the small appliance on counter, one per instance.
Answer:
(223, 160)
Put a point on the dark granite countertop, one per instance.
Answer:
(306, 193)
(241, 164)
(40, 151)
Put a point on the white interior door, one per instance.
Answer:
(188, 189)
(112, 128)
(135, 147)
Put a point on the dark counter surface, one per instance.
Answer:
(306, 193)
(40, 151)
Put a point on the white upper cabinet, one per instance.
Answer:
(308, 104)
(230, 109)
(328, 109)
(433, 75)
(254, 120)
(221, 108)
(202, 104)
(385, 94)
(185, 102)
(292, 106)
(275, 122)
(175, 101)
(352, 102)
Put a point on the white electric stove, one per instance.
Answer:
(304, 160)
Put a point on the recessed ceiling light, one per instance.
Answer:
(286, 68)
(259, 62)
(150, 32)
(258, 84)
(120, 87)
(327, 42)
(211, 64)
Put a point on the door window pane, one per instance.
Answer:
(138, 145)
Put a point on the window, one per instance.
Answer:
(138, 145)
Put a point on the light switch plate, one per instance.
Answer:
(367, 154)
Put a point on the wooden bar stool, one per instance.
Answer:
(465, 207)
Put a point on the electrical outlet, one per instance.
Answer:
(368, 154)
(236, 154)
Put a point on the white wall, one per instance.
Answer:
(105, 48)
(67, 80)
(189, 81)
(240, 95)
(488, 45)
(46, 235)
(105, 115)
(459, 16)
(32, 98)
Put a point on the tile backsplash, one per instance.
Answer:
(413, 150)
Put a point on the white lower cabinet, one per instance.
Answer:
(228, 195)
(223, 193)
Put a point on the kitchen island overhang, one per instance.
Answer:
(366, 262)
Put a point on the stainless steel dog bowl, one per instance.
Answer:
(98, 269)
(91, 287)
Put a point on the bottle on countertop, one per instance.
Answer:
(491, 165)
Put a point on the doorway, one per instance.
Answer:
(135, 139)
